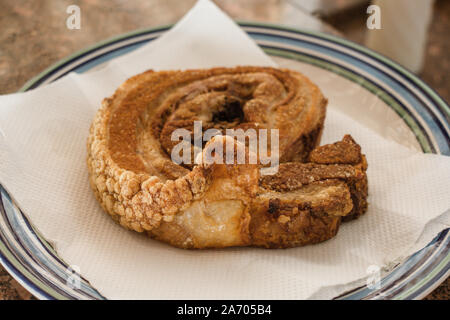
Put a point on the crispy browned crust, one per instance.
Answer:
(304, 203)
(203, 206)
(347, 151)
(307, 215)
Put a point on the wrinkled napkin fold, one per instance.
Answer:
(42, 164)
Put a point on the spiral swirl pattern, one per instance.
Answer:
(204, 205)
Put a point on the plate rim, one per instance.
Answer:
(23, 280)
(334, 38)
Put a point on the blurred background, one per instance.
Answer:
(33, 36)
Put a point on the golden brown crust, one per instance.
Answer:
(347, 151)
(199, 206)
(294, 175)
(304, 203)
(307, 215)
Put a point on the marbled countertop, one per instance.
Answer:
(34, 36)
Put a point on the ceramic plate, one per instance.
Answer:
(416, 115)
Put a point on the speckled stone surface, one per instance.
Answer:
(34, 36)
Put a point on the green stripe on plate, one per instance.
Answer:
(38, 283)
(428, 277)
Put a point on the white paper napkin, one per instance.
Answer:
(42, 164)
